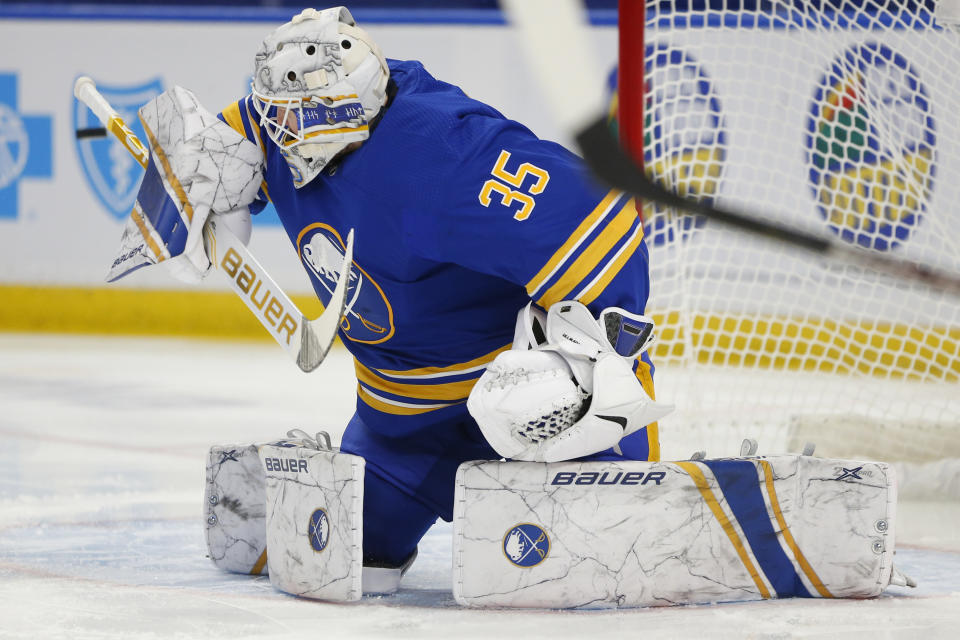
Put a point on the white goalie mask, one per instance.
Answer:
(318, 82)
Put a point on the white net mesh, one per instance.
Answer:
(840, 121)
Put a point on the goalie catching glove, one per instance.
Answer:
(198, 166)
(567, 389)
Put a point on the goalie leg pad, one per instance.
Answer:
(631, 534)
(235, 522)
(314, 522)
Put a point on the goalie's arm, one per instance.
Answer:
(306, 341)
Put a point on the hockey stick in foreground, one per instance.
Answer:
(306, 341)
(558, 48)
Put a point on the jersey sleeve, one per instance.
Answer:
(241, 117)
(527, 211)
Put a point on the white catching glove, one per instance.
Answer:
(198, 166)
(567, 389)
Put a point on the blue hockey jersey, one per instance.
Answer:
(461, 216)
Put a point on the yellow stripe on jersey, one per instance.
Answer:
(572, 242)
(439, 372)
(653, 429)
(707, 494)
(231, 116)
(451, 391)
(396, 408)
(788, 537)
(590, 257)
(610, 271)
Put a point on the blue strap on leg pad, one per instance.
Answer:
(635, 534)
(314, 521)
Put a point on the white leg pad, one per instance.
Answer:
(235, 525)
(314, 521)
(631, 534)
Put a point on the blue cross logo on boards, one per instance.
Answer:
(26, 147)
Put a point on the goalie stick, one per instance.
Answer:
(306, 341)
(558, 49)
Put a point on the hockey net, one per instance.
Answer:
(839, 119)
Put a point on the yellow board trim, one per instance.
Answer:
(571, 241)
(788, 537)
(826, 345)
(897, 351)
(117, 310)
(590, 257)
(711, 500)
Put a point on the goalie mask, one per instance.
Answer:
(318, 82)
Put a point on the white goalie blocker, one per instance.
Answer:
(636, 534)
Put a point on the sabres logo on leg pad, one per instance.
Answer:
(526, 545)
(319, 530)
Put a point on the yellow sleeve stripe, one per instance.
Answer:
(393, 407)
(186, 207)
(590, 257)
(449, 391)
(653, 429)
(593, 290)
(704, 487)
(788, 537)
(232, 117)
(573, 242)
(461, 368)
(255, 127)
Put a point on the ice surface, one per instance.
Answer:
(102, 449)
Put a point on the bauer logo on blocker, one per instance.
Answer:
(526, 545)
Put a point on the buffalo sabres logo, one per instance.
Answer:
(871, 147)
(369, 317)
(526, 545)
(112, 173)
(319, 530)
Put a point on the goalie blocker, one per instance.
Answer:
(631, 534)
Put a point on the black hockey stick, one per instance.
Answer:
(609, 162)
(92, 132)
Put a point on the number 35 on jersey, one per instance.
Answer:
(510, 186)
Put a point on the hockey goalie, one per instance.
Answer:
(496, 317)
